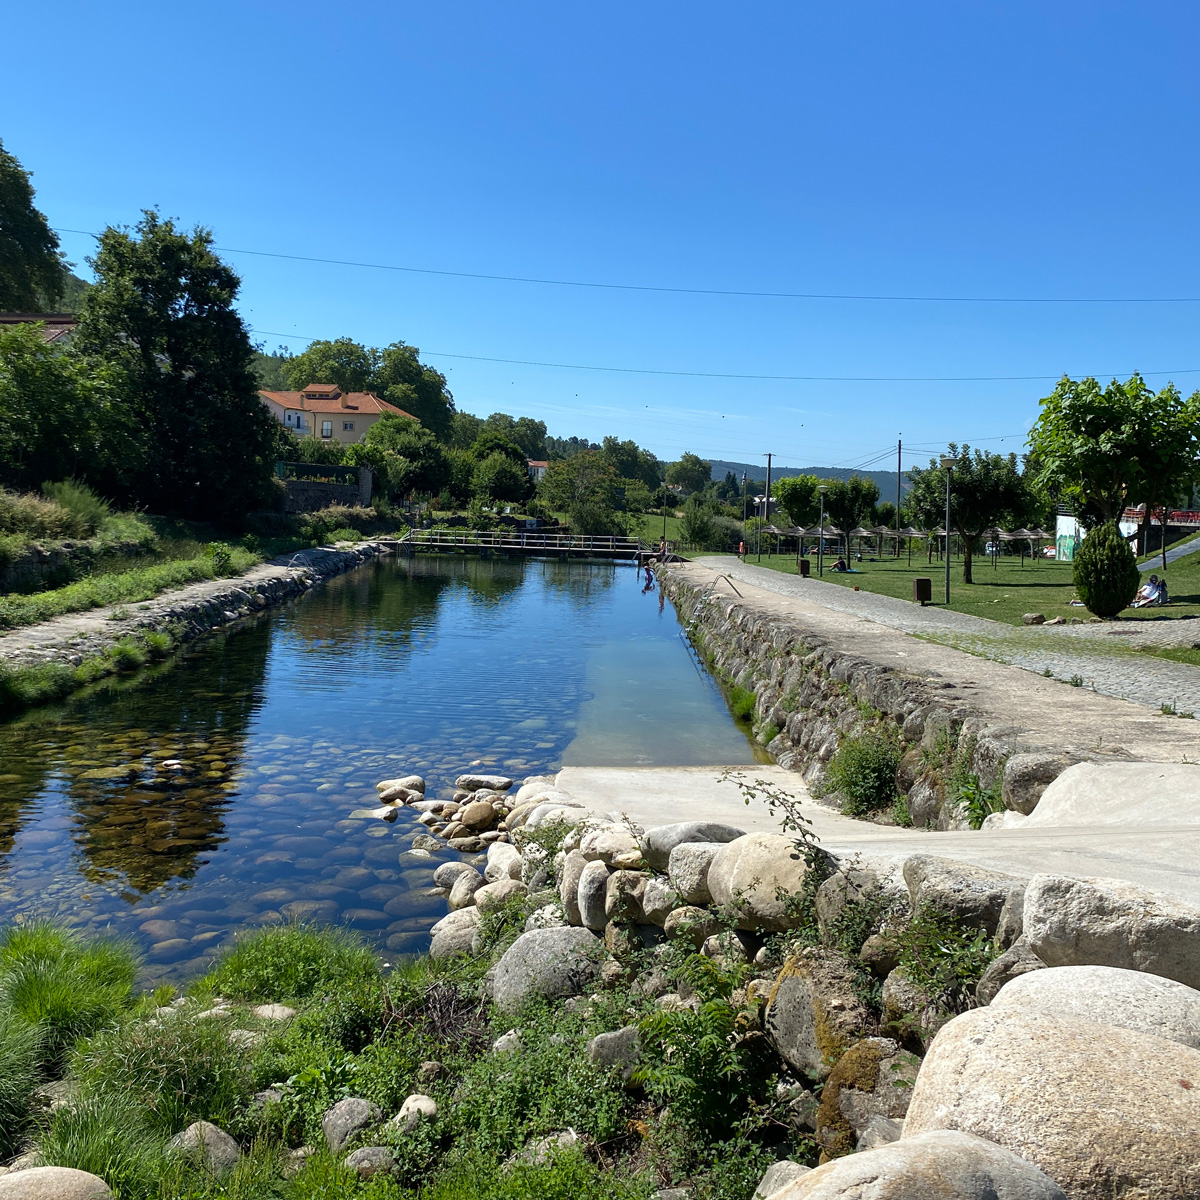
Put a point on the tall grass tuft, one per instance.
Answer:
(19, 1046)
(291, 962)
(51, 979)
(36, 516)
(90, 511)
(177, 1069)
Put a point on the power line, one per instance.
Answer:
(686, 291)
(526, 362)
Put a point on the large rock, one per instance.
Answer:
(815, 1013)
(503, 862)
(620, 1050)
(1108, 1113)
(416, 1108)
(910, 1013)
(550, 963)
(347, 1119)
(874, 1078)
(657, 843)
(556, 814)
(462, 891)
(970, 895)
(53, 1183)
(453, 934)
(546, 798)
(487, 783)
(1026, 777)
(592, 895)
(209, 1145)
(659, 900)
(369, 1161)
(623, 896)
(747, 875)
(1110, 923)
(612, 844)
(477, 815)
(496, 895)
(1017, 960)
(688, 869)
(777, 1176)
(568, 886)
(935, 1166)
(1112, 996)
(1120, 793)
(692, 923)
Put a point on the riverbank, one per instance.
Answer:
(48, 661)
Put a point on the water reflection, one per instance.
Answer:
(218, 795)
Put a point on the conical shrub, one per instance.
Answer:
(1106, 572)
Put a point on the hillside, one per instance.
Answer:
(886, 480)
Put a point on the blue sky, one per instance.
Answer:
(942, 149)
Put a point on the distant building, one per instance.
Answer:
(537, 468)
(325, 412)
(58, 327)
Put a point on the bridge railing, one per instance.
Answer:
(517, 539)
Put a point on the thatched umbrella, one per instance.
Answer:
(857, 532)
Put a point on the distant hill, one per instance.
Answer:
(886, 480)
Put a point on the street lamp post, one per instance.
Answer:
(947, 466)
(823, 488)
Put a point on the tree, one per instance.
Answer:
(161, 320)
(986, 490)
(425, 465)
(638, 497)
(691, 472)
(497, 477)
(797, 496)
(584, 487)
(32, 271)
(630, 461)
(850, 502)
(343, 362)
(525, 432)
(402, 379)
(1105, 571)
(464, 429)
(491, 441)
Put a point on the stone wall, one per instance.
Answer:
(39, 567)
(810, 697)
(308, 495)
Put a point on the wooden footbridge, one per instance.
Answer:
(521, 543)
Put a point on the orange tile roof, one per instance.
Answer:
(362, 402)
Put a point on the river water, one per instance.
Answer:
(215, 795)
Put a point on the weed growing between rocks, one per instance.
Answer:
(943, 958)
(863, 772)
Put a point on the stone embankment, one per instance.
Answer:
(821, 677)
(185, 614)
(899, 1005)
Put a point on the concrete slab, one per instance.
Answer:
(1161, 857)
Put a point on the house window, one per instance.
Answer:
(289, 418)
(327, 429)
(348, 426)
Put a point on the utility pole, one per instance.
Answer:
(899, 445)
(947, 466)
(823, 488)
(744, 499)
(766, 502)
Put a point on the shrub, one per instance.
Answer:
(222, 557)
(177, 1069)
(291, 962)
(1106, 572)
(19, 1046)
(943, 957)
(741, 703)
(90, 511)
(68, 988)
(37, 516)
(864, 771)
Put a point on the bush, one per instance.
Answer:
(90, 511)
(741, 703)
(943, 958)
(176, 1069)
(37, 517)
(1106, 572)
(864, 771)
(19, 1046)
(292, 962)
(52, 979)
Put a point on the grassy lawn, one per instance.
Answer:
(1004, 592)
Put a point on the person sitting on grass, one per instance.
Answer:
(1150, 594)
(840, 565)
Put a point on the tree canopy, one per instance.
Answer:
(986, 490)
(32, 272)
(691, 472)
(160, 323)
(583, 486)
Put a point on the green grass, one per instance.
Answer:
(292, 962)
(124, 587)
(1004, 592)
(19, 1075)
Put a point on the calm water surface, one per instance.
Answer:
(217, 795)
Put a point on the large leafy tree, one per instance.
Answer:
(850, 502)
(420, 459)
(344, 362)
(797, 496)
(32, 272)
(986, 490)
(525, 432)
(160, 320)
(583, 486)
(691, 472)
(631, 462)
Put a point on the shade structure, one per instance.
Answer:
(882, 531)
(859, 532)
(909, 531)
(1040, 534)
(1017, 534)
(827, 531)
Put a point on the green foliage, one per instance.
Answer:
(567, 1176)
(32, 273)
(177, 1069)
(943, 957)
(584, 487)
(697, 526)
(976, 802)
(1105, 571)
(290, 962)
(414, 459)
(741, 703)
(51, 979)
(221, 556)
(20, 1046)
(864, 771)
(797, 496)
(850, 502)
(691, 472)
(497, 477)
(90, 511)
(34, 517)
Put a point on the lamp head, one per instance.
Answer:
(948, 461)
(823, 488)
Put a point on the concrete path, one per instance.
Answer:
(1174, 553)
(1162, 858)
(1102, 657)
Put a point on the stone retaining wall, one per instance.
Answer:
(56, 564)
(811, 696)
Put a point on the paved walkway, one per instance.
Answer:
(1101, 657)
(1159, 857)
(1174, 553)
